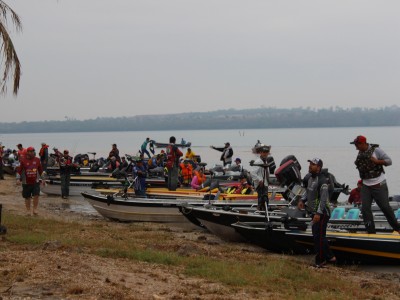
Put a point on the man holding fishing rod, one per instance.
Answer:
(260, 176)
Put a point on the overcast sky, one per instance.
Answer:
(97, 58)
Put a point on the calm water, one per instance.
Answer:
(330, 144)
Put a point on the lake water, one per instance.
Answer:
(330, 144)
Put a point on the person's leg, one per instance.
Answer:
(63, 182)
(35, 195)
(26, 194)
(67, 181)
(366, 197)
(381, 196)
(174, 178)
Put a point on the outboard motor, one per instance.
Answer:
(288, 172)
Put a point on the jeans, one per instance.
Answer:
(262, 197)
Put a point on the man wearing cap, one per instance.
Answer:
(260, 177)
(28, 174)
(237, 167)
(66, 165)
(355, 195)
(316, 201)
(227, 153)
(370, 161)
(44, 155)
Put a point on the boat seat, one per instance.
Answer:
(397, 214)
(337, 213)
(353, 214)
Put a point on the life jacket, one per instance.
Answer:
(41, 151)
(173, 154)
(186, 173)
(200, 178)
(323, 178)
(365, 166)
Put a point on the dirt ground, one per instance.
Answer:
(52, 272)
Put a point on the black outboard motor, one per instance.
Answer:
(289, 171)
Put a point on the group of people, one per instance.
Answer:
(370, 162)
(372, 186)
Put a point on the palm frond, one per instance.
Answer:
(9, 62)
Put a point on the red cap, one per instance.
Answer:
(30, 149)
(359, 140)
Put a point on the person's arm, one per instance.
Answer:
(381, 158)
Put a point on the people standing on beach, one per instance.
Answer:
(316, 202)
(355, 195)
(1, 162)
(44, 155)
(143, 148)
(227, 153)
(172, 164)
(66, 165)
(370, 162)
(260, 177)
(114, 153)
(21, 152)
(29, 174)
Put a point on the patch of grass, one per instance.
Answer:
(291, 277)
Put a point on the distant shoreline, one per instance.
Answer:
(262, 118)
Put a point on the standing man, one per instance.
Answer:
(1, 161)
(21, 152)
(28, 174)
(44, 155)
(260, 177)
(140, 174)
(316, 201)
(370, 161)
(143, 148)
(66, 166)
(173, 155)
(227, 153)
(355, 195)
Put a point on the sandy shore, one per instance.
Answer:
(51, 271)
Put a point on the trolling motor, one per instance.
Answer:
(3, 229)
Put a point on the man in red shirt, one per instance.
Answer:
(355, 195)
(29, 174)
(21, 152)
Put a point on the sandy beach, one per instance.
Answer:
(55, 271)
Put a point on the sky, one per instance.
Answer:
(96, 58)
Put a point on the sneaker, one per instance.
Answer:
(332, 260)
(320, 266)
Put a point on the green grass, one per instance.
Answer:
(292, 277)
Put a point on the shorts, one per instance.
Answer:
(30, 190)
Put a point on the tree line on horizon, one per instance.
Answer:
(257, 118)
